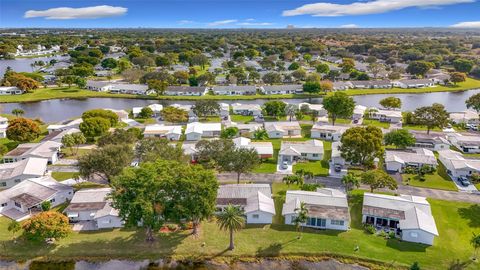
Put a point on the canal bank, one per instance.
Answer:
(54, 110)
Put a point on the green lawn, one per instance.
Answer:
(75, 92)
(210, 119)
(237, 118)
(147, 121)
(418, 127)
(60, 176)
(437, 180)
(375, 123)
(69, 154)
(456, 222)
(270, 165)
(467, 85)
(318, 168)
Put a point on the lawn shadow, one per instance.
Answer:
(306, 230)
(9, 248)
(406, 246)
(164, 244)
(70, 91)
(458, 265)
(472, 213)
(272, 250)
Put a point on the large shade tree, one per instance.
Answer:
(431, 116)
(361, 145)
(339, 105)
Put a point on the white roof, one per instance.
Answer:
(330, 128)
(189, 148)
(39, 188)
(387, 113)
(455, 160)
(91, 195)
(162, 129)
(298, 147)
(30, 166)
(156, 107)
(260, 202)
(416, 219)
(465, 115)
(262, 148)
(335, 151)
(416, 210)
(359, 109)
(321, 197)
(420, 156)
(282, 126)
(198, 127)
(313, 107)
(246, 107)
(243, 190)
(136, 110)
(44, 149)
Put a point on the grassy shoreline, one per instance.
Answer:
(455, 221)
(76, 93)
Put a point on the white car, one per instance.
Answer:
(285, 165)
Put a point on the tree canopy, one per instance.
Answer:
(361, 145)
(339, 105)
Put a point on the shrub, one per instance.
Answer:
(310, 187)
(369, 228)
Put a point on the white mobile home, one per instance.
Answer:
(14, 173)
(92, 208)
(48, 150)
(255, 199)
(327, 132)
(397, 161)
(457, 165)
(327, 208)
(410, 217)
(292, 151)
(196, 130)
(24, 199)
(172, 133)
(283, 129)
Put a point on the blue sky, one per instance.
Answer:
(239, 13)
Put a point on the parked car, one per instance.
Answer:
(285, 165)
(464, 181)
(338, 168)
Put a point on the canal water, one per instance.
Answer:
(60, 109)
(161, 265)
(23, 64)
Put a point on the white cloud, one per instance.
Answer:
(254, 24)
(224, 22)
(474, 24)
(324, 9)
(250, 20)
(182, 22)
(65, 13)
(352, 25)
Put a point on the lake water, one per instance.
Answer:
(23, 64)
(160, 265)
(60, 109)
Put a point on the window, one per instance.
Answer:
(3, 184)
(255, 216)
(304, 154)
(17, 180)
(337, 222)
(293, 219)
(18, 205)
(52, 200)
(4, 204)
(315, 155)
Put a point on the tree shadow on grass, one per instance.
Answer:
(406, 246)
(70, 90)
(272, 250)
(458, 265)
(472, 213)
(131, 246)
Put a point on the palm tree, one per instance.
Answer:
(18, 112)
(301, 218)
(475, 242)
(260, 134)
(350, 181)
(231, 219)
